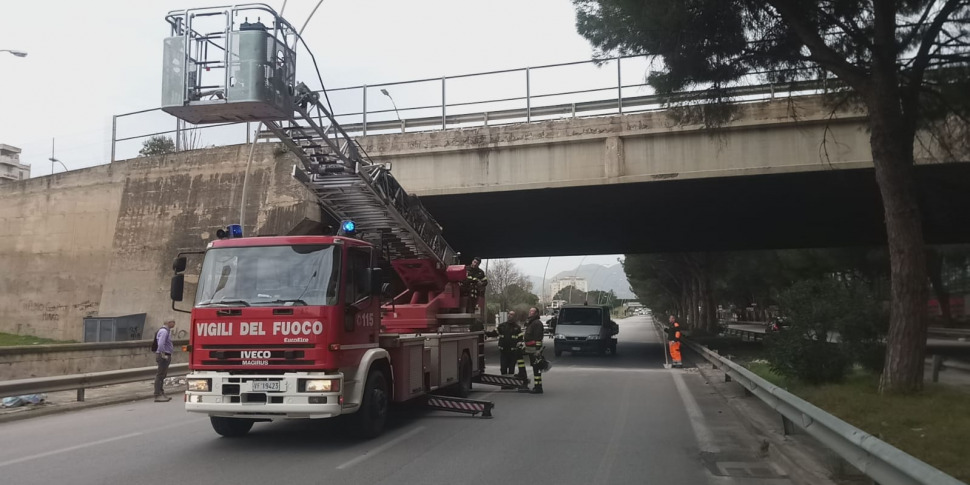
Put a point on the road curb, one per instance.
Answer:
(795, 452)
(34, 411)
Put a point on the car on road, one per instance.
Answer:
(585, 328)
(546, 327)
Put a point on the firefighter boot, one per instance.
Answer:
(537, 389)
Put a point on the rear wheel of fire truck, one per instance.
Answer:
(464, 386)
(370, 418)
(231, 427)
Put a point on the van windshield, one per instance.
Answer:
(581, 316)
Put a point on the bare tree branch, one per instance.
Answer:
(929, 37)
(919, 24)
(820, 51)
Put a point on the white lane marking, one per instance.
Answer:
(93, 443)
(609, 369)
(382, 448)
(605, 467)
(705, 438)
(70, 448)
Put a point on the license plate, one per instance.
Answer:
(577, 348)
(266, 385)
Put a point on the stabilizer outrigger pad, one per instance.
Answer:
(494, 380)
(461, 405)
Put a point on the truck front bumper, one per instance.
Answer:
(249, 396)
(594, 345)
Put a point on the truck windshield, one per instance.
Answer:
(269, 275)
(580, 316)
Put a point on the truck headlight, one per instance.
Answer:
(200, 385)
(593, 337)
(321, 385)
(560, 337)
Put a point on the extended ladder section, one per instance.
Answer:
(352, 187)
(237, 64)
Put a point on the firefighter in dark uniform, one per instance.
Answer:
(475, 283)
(532, 345)
(509, 335)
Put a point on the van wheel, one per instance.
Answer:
(464, 386)
(231, 427)
(557, 353)
(372, 415)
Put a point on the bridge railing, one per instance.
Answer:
(572, 89)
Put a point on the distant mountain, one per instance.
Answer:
(598, 277)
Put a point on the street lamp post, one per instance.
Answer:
(54, 160)
(385, 93)
(542, 291)
(15, 52)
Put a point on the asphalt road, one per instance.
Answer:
(623, 419)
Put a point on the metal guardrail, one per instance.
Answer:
(744, 334)
(949, 332)
(882, 462)
(80, 382)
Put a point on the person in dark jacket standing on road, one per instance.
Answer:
(532, 344)
(509, 335)
(163, 357)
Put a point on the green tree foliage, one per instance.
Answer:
(905, 61)
(156, 145)
(832, 323)
(507, 286)
(571, 295)
(676, 283)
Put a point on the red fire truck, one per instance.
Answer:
(314, 326)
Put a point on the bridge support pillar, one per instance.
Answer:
(613, 157)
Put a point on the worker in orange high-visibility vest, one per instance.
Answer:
(673, 338)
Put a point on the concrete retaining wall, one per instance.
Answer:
(24, 362)
(100, 241)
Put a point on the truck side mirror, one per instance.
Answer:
(375, 281)
(179, 264)
(178, 285)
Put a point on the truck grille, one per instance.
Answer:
(271, 362)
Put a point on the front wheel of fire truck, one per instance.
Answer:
(372, 415)
(231, 427)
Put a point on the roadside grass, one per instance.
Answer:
(932, 425)
(11, 340)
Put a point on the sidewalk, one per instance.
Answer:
(807, 461)
(64, 401)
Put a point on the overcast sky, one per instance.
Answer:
(90, 60)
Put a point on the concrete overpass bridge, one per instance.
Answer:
(784, 173)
